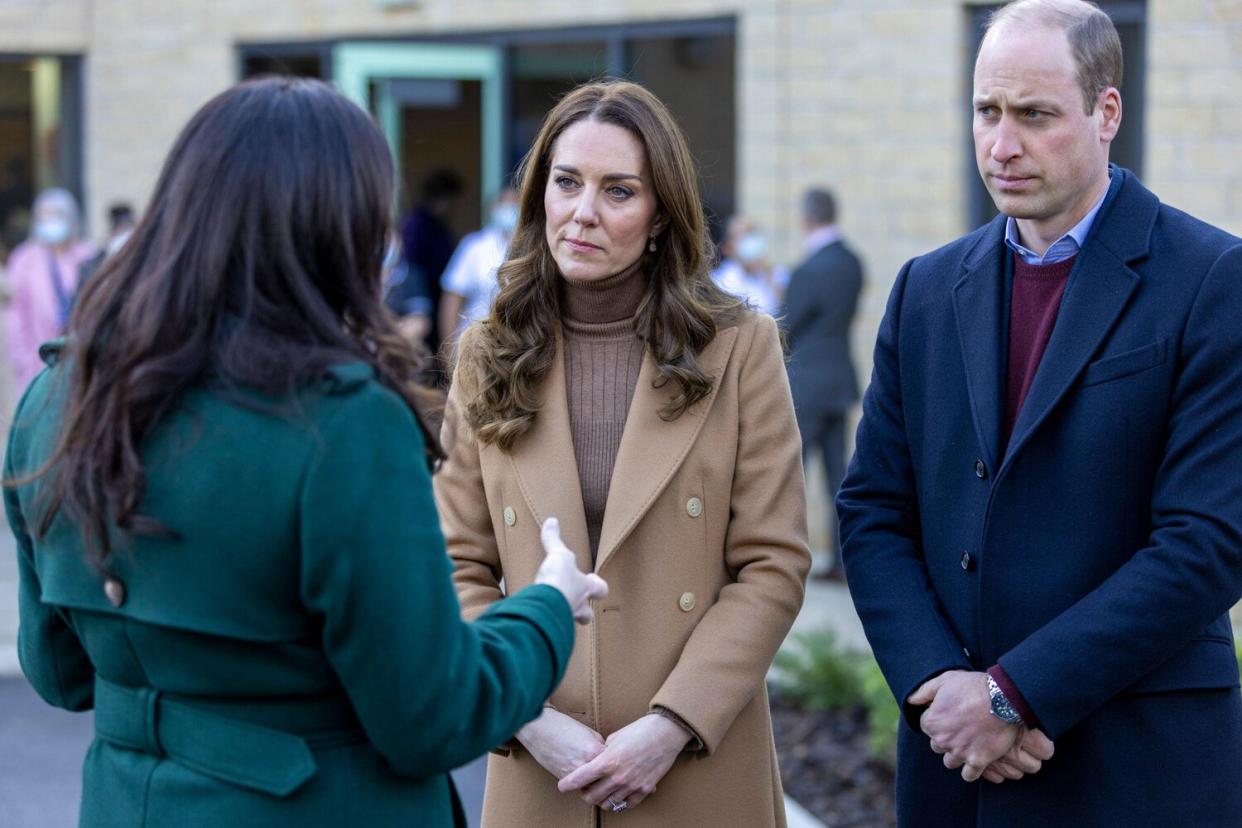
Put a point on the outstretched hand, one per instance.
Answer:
(560, 570)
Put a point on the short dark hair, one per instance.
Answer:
(441, 183)
(819, 206)
(1093, 39)
(120, 214)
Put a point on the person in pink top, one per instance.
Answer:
(43, 275)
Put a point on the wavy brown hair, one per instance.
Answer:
(511, 352)
(256, 268)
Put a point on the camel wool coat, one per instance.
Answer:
(705, 552)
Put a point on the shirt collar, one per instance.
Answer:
(1068, 245)
(820, 237)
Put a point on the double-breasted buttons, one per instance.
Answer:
(968, 563)
(981, 470)
(686, 602)
(694, 507)
(510, 516)
(114, 591)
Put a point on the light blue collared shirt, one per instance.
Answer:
(1064, 247)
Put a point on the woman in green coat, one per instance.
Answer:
(221, 494)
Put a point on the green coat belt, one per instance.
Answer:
(295, 654)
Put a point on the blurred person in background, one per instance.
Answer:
(405, 293)
(220, 489)
(745, 269)
(428, 242)
(615, 385)
(121, 222)
(43, 275)
(819, 312)
(469, 282)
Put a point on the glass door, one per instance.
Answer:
(440, 106)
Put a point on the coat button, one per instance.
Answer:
(981, 470)
(694, 507)
(114, 591)
(510, 516)
(686, 602)
(967, 562)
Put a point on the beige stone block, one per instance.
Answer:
(1190, 48)
(1228, 120)
(1224, 11)
(1178, 13)
(1166, 87)
(1206, 199)
(1212, 159)
(1205, 86)
(1180, 121)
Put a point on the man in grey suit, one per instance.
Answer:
(819, 309)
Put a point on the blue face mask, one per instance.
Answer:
(752, 247)
(52, 230)
(505, 217)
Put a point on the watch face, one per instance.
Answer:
(1001, 708)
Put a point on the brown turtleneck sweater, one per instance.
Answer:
(602, 358)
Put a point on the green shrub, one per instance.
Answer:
(883, 714)
(817, 674)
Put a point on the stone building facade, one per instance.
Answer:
(866, 96)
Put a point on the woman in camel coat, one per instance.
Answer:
(610, 355)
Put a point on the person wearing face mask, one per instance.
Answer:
(745, 270)
(615, 385)
(43, 276)
(469, 281)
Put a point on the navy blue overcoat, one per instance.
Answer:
(1095, 559)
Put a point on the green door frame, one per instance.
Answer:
(355, 65)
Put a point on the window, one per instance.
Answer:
(40, 137)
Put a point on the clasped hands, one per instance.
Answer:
(625, 767)
(959, 722)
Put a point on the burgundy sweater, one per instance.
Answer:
(1033, 308)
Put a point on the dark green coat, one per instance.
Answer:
(295, 656)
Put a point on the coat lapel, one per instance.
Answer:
(546, 468)
(1099, 288)
(978, 305)
(651, 449)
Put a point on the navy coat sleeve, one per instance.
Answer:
(1190, 571)
(880, 534)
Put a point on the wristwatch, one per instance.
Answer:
(1001, 708)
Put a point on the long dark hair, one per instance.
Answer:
(256, 267)
(512, 351)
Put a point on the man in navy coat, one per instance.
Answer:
(1042, 524)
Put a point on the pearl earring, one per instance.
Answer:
(652, 245)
